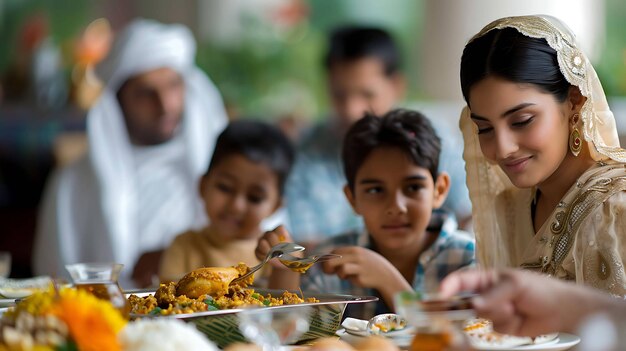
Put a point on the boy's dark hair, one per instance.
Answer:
(259, 142)
(348, 44)
(409, 131)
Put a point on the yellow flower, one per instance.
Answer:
(93, 323)
(36, 304)
(35, 348)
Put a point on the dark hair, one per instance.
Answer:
(511, 55)
(409, 131)
(259, 142)
(348, 44)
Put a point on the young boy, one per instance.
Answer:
(391, 165)
(243, 186)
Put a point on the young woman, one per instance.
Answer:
(545, 170)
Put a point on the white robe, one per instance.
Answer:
(93, 210)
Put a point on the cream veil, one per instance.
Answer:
(485, 180)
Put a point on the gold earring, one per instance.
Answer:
(575, 143)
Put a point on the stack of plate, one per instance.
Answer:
(11, 289)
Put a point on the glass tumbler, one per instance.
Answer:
(101, 280)
(437, 327)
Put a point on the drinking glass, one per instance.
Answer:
(437, 326)
(101, 280)
(270, 328)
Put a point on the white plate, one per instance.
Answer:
(20, 288)
(563, 342)
(402, 333)
(15, 293)
(7, 302)
(401, 342)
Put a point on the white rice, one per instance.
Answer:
(163, 334)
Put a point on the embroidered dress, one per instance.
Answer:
(584, 238)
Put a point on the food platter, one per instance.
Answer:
(222, 326)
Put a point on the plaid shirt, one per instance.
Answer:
(453, 249)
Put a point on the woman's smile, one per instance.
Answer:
(516, 165)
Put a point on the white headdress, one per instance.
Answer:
(143, 46)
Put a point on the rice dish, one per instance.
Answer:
(163, 334)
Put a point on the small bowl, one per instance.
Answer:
(388, 325)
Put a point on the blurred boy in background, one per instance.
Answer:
(363, 73)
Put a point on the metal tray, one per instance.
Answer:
(222, 326)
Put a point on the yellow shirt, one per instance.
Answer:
(196, 249)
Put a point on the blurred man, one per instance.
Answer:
(363, 73)
(150, 135)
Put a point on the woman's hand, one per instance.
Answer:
(526, 303)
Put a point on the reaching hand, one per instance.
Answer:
(281, 276)
(362, 267)
(146, 270)
(525, 303)
(270, 239)
(366, 268)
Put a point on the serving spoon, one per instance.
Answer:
(276, 251)
(302, 264)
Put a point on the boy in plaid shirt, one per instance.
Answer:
(390, 163)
